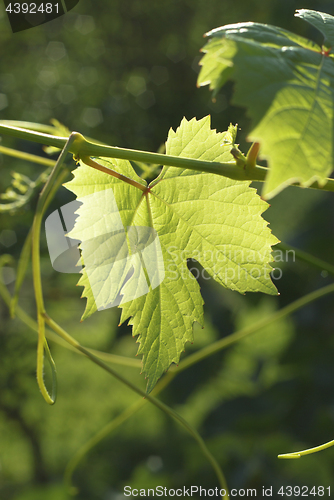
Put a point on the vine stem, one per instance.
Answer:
(298, 454)
(156, 402)
(26, 249)
(91, 163)
(36, 270)
(22, 155)
(81, 148)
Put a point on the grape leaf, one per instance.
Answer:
(210, 218)
(320, 20)
(287, 84)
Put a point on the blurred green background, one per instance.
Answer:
(124, 72)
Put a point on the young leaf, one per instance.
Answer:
(188, 214)
(287, 84)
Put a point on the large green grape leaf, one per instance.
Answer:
(287, 84)
(210, 218)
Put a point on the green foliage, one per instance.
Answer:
(248, 369)
(20, 192)
(215, 220)
(286, 82)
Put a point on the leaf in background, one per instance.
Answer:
(320, 20)
(287, 84)
(210, 218)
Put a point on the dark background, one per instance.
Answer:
(124, 72)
